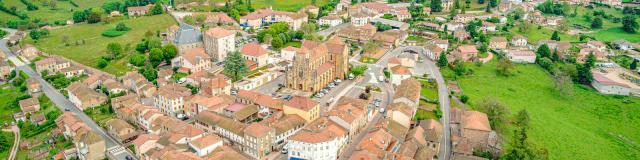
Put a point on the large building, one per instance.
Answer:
(171, 99)
(260, 17)
(218, 42)
(317, 64)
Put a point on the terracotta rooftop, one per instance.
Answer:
(253, 49)
(206, 141)
(302, 103)
(218, 32)
(258, 130)
(475, 120)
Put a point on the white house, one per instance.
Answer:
(399, 73)
(520, 56)
(607, 85)
(519, 41)
(206, 144)
(321, 140)
(330, 20)
(195, 60)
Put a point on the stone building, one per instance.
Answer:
(317, 64)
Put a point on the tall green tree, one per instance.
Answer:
(114, 50)
(156, 9)
(170, 52)
(629, 24)
(633, 64)
(235, 66)
(436, 5)
(442, 59)
(555, 36)
(596, 23)
(493, 3)
(156, 56)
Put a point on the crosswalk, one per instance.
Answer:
(115, 150)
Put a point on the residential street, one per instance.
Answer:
(63, 103)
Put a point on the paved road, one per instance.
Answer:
(113, 146)
(330, 30)
(16, 141)
(271, 86)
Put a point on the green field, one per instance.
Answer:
(62, 11)
(95, 44)
(283, 5)
(586, 125)
(610, 31)
(7, 95)
(534, 34)
(9, 137)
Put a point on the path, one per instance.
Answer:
(16, 141)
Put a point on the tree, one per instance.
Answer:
(4, 144)
(189, 20)
(138, 60)
(629, 24)
(555, 36)
(521, 148)
(114, 50)
(442, 60)
(596, 23)
(94, 18)
(562, 82)
(154, 43)
(370, 47)
(496, 112)
(79, 16)
(584, 75)
(156, 57)
(480, 1)
(149, 73)
(543, 51)
(277, 42)
(156, 9)
(102, 63)
(235, 66)
(308, 28)
(456, 4)
(436, 5)
(504, 67)
(35, 34)
(634, 64)
(170, 52)
(545, 63)
(493, 3)
(122, 27)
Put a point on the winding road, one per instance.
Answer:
(115, 149)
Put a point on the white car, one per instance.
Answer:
(381, 78)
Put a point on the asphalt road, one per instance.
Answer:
(330, 30)
(118, 151)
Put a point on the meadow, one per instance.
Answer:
(610, 30)
(63, 10)
(95, 44)
(584, 125)
(282, 5)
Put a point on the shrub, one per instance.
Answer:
(113, 33)
(464, 98)
(102, 63)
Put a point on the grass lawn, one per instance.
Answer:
(283, 5)
(422, 114)
(9, 138)
(534, 34)
(62, 11)
(585, 125)
(429, 90)
(96, 44)
(7, 95)
(610, 31)
(296, 44)
(100, 114)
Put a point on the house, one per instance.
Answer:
(451, 26)
(256, 53)
(330, 20)
(218, 85)
(465, 53)
(137, 83)
(463, 18)
(89, 144)
(186, 37)
(408, 92)
(399, 73)
(84, 97)
(286, 126)
(205, 145)
(38, 118)
(139, 10)
(260, 137)
(609, 81)
(498, 43)
(600, 46)
(584, 52)
(29, 105)
(461, 34)
(304, 107)
(360, 19)
(72, 71)
(145, 143)
(560, 46)
(433, 131)
(52, 65)
(394, 24)
(350, 113)
(241, 112)
(433, 51)
(519, 41)
(442, 43)
(323, 134)
(521, 56)
(5, 70)
(488, 27)
(623, 44)
(218, 42)
(195, 60)
(171, 99)
(263, 16)
(390, 38)
(475, 127)
(113, 86)
(121, 130)
(357, 33)
(33, 85)
(401, 113)
(403, 60)
(216, 18)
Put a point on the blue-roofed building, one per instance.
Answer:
(187, 37)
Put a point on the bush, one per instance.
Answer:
(102, 63)
(358, 70)
(113, 33)
(464, 98)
